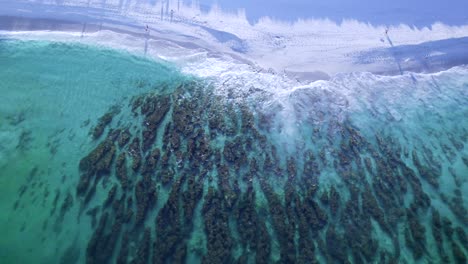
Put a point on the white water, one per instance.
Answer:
(410, 106)
(305, 49)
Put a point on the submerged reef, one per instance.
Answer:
(190, 176)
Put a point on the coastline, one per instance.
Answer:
(323, 110)
(304, 51)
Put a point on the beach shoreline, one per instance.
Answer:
(116, 124)
(304, 51)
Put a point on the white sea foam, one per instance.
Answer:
(397, 103)
(343, 93)
(241, 59)
(319, 47)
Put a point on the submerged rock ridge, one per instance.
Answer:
(189, 176)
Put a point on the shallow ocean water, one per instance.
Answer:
(52, 93)
(358, 168)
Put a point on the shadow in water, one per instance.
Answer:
(83, 30)
(392, 46)
(429, 56)
(147, 37)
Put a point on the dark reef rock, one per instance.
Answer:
(371, 207)
(191, 196)
(114, 134)
(145, 195)
(316, 217)
(426, 173)
(151, 161)
(465, 160)
(224, 185)
(93, 214)
(462, 237)
(166, 175)
(247, 219)
(104, 121)
(121, 170)
(458, 254)
(336, 245)
(334, 201)
(456, 205)
(190, 159)
(154, 109)
(135, 153)
(66, 205)
(98, 163)
(111, 196)
(263, 248)
(219, 240)
(415, 236)
(436, 226)
(143, 253)
(447, 226)
(168, 227)
(421, 199)
(101, 246)
(284, 232)
(71, 255)
(234, 152)
(122, 257)
(124, 138)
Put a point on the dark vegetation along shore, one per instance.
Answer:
(193, 176)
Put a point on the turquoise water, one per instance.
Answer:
(52, 94)
(109, 157)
